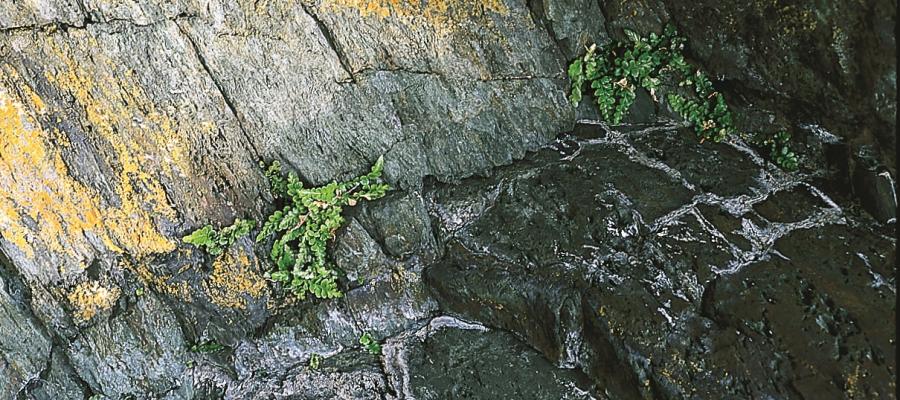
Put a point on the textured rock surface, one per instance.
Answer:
(669, 290)
(449, 358)
(639, 263)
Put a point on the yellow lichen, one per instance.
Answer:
(434, 12)
(232, 280)
(129, 122)
(90, 298)
(43, 206)
(852, 384)
(35, 184)
(163, 283)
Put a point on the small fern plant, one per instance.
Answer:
(215, 242)
(370, 344)
(302, 228)
(307, 223)
(615, 71)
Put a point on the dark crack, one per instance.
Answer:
(403, 70)
(539, 18)
(332, 43)
(87, 20)
(47, 28)
(229, 102)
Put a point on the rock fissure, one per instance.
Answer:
(229, 102)
(332, 44)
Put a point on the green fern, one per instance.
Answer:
(307, 223)
(615, 71)
(302, 229)
(369, 342)
(215, 242)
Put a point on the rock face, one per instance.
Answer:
(625, 262)
(756, 287)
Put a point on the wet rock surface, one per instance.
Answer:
(670, 291)
(449, 358)
(619, 263)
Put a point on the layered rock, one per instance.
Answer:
(126, 124)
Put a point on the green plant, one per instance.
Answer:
(779, 149)
(307, 223)
(209, 346)
(314, 361)
(710, 120)
(302, 228)
(214, 241)
(369, 342)
(614, 72)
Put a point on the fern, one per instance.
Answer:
(615, 71)
(302, 229)
(215, 242)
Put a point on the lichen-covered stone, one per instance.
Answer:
(126, 124)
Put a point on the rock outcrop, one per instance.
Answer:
(620, 262)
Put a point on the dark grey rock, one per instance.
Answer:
(449, 358)
(619, 255)
(830, 63)
(144, 341)
(876, 189)
(704, 301)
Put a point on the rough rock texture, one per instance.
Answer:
(616, 264)
(670, 289)
(449, 358)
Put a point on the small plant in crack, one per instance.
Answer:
(779, 149)
(307, 223)
(215, 242)
(208, 346)
(314, 361)
(614, 73)
(370, 344)
(302, 229)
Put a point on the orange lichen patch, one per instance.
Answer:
(232, 280)
(35, 183)
(124, 117)
(435, 12)
(852, 386)
(36, 100)
(163, 283)
(90, 298)
(41, 204)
